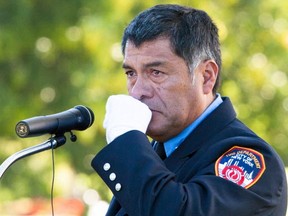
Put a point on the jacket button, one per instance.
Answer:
(112, 176)
(118, 187)
(106, 166)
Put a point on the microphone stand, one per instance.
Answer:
(52, 143)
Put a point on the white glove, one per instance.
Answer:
(125, 113)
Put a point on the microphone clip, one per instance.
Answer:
(73, 137)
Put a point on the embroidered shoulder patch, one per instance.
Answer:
(243, 166)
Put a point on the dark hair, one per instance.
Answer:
(192, 33)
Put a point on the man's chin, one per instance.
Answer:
(155, 132)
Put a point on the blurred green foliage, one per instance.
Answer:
(58, 54)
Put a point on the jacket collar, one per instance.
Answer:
(210, 126)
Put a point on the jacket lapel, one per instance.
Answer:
(214, 123)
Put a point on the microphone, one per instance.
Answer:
(77, 118)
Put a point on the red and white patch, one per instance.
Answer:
(243, 166)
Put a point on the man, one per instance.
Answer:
(212, 163)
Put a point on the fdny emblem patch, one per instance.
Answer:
(243, 166)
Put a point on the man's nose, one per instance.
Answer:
(141, 89)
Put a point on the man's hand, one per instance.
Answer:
(125, 113)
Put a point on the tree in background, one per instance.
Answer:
(58, 54)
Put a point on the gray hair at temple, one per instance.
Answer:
(192, 33)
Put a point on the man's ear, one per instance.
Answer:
(210, 73)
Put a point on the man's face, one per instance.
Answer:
(161, 79)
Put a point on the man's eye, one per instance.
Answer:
(156, 72)
(130, 73)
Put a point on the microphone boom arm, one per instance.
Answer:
(51, 143)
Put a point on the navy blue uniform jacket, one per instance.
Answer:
(201, 177)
